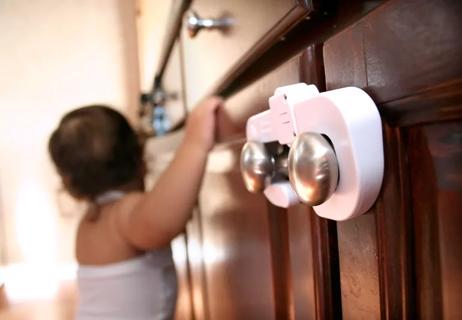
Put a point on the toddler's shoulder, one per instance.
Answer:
(130, 201)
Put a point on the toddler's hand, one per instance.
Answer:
(200, 127)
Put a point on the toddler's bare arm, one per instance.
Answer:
(153, 219)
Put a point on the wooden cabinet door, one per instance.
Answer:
(402, 259)
(249, 259)
(235, 262)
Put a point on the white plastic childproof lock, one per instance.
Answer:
(350, 119)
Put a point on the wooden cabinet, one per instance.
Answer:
(250, 260)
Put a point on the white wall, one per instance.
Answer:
(55, 55)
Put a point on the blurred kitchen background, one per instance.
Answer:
(57, 55)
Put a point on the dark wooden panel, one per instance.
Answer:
(435, 152)
(406, 55)
(402, 49)
(411, 45)
(236, 241)
(344, 60)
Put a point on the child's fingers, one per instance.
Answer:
(214, 102)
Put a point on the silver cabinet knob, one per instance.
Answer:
(194, 23)
(313, 168)
(257, 166)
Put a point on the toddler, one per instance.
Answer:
(122, 246)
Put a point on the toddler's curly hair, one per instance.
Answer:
(95, 150)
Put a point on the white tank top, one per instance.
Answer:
(141, 288)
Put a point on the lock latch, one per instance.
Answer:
(335, 162)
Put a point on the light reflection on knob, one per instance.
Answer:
(257, 166)
(313, 168)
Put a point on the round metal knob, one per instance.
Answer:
(257, 166)
(194, 23)
(313, 168)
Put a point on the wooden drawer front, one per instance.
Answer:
(213, 55)
(402, 260)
